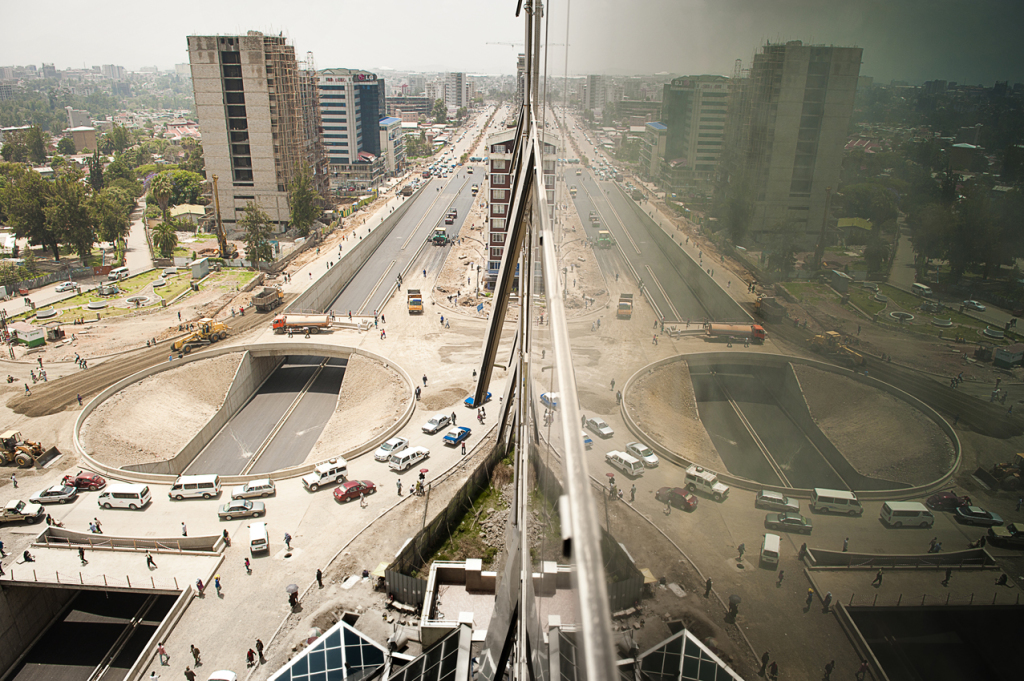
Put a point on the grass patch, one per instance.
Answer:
(865, 300)
(808, 291)
(907, 301)
(175, 286)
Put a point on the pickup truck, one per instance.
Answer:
(19, 511)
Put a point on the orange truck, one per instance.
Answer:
(301, 323)
(755, 333)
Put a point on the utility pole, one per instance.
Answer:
(819, 250)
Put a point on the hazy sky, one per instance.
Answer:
(968, 41)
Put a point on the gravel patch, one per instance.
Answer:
(151, 420)
(663, 405)
(880, 435)
(372, 398)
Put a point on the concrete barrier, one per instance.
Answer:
(772, 360)
(719, 305)
(324, 290)
(251, 373)
(277, 349)
(976, 558)
(57, 537)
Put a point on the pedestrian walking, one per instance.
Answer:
(320, 578)
(248, 566)
(877, 581)
(862, 670)
(932, 543)
(810, 597)
(782, 575)
(773, 670)
(846, 544)
(949, 574)
(802, 552)
(424, 380)
(613, 384)
(99, 527)
(162, 652)
(195, 655)
(742, 549)
(1020, 500)
(184, 530)
(453, 419)
(150, 563)
(81, 556)
(828, 670)
(463, 449)
(668, 506)
(14, 480)
(398, 483)
(79, 396)
(189, 674)
(27, 391)
(259, 649)
(632, 493)
(250, 658)
(764, 663)
(153, 676)
(828, 601)
(216, 583)
(707, 588)
(288, 541)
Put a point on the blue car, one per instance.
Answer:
(456, 435)
(469, 400)
(974, 515)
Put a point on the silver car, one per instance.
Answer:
(241, 508)
(254, 488)
(598, 426)
(437, 423)
(644, 453)
(392, 446)
(776, 501)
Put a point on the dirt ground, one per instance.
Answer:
(372, 398)
(662, 403)
(915, 451)
(153, 419)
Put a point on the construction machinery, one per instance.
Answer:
(24, 453)
(267, 299)
(625, 309)
(207, 332)
(769, 308)
(440, 236)
(1010, 475)
(831, 343)
(415, 301)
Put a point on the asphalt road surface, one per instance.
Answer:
(369, 288)
(300, 431)
(230, 450)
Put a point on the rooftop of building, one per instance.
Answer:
(657, 126)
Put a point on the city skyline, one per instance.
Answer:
(900, 42)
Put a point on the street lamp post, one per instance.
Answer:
(478, 279)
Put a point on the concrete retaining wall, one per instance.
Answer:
(56, 537)
(324, 290)
(718, 304)
(250, 375)
(25, 612)
(275, 349)
(771, 360)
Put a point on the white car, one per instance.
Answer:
(254, 488)
(644, 453)
(392, 446)
(66, 286)
(437, 423)
(598, 426)
(974, 305)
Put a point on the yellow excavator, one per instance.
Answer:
(207, 331)
(25, 453)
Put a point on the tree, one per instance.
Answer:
(460, 114)
(67, 215)
(96, 172)
(161, 188)
(187, 187)
(869, 200)
(876, 252)
(440, 112)
(24, 195)
(14, 149)
(194, 161)
(305, 202)
(66, 146)
(255, 223)
(36, 145)
(165, 238)
(120, 138)
(110, 213)
(119, 168)
(31, 262)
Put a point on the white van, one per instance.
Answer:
(258, 539)
(835, 501)
(124, 496)
(118, 273)
(407, 457)
(770, 547)
(627, 463)
(921, 290)
(900, 513)
(195, 486)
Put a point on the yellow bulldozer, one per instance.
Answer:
(25, 453)
(831, 343)
(207, 331)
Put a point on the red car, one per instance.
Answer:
(947, 501)
(349, 491)
(85, 480)
(678, 497)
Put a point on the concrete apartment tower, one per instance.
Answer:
(793, 127)
(259, 117)
(456, 91)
